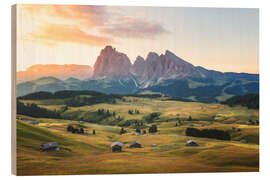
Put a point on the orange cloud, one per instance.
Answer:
(54, 33)
(69, 23)
(89, 16)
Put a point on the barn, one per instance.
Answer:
(51, 146)
(135, 144)
(116, 147)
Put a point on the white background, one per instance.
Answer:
(5, 86)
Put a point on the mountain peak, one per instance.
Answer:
(139, 59)
(71, 79)
(138, 66)
(111, 63)
(152, 56)
(167, 52)
(109, 48)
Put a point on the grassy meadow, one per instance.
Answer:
(91, 154)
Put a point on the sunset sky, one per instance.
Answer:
(216, 38)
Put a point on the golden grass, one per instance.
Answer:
(90, 154)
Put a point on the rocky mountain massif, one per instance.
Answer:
(166, 74)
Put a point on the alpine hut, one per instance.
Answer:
(192, 143)
(51, 146)
(135, 144)
(116, 147)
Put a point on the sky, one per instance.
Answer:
(223, 39)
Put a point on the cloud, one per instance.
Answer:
(129, 27)
(54, 24)
(88, 16)
(51, 34)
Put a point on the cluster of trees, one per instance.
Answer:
(250, 122)
(119, 118)
(75, 130)
(78, 101)
(179, 122)
(151, 117)
(59, 94)
(80, 130)
(140, 131)
(124, 123)
(208, 133)
(153, 129)
(38, 96)
(251, 101)
(106, 113)
(63, 109)
(133, 112)
(73, 98)
(138, 123)
(122, 131)
(36, 111)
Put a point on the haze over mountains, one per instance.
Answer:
(59, 71)
(113, 72)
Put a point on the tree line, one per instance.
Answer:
(36, 111)
(208, 133)
(251, 101)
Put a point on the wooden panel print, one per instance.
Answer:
(130, 90)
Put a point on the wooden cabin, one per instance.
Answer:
(192, 143)
(135, 144)
(51, 146)
(116, 147)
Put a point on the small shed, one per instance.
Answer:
(116, 147)
(135, 144)
(243, 141)
(51, 146)
(31, 122)
(192, 143)
(34, 122)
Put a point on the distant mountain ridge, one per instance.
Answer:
(167, 74)
(58, 71)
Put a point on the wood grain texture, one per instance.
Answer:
(13, 87)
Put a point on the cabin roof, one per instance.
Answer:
(117, 144)
(191, 142)
(49, 145)
(136, 142)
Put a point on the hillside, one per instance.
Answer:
(114, 109)
(195, 90)
(90, 153)
(250, 100)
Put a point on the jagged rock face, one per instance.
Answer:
(165, 67)
(114, 65)
(111, 64)
(139, 66)
(59, 71)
